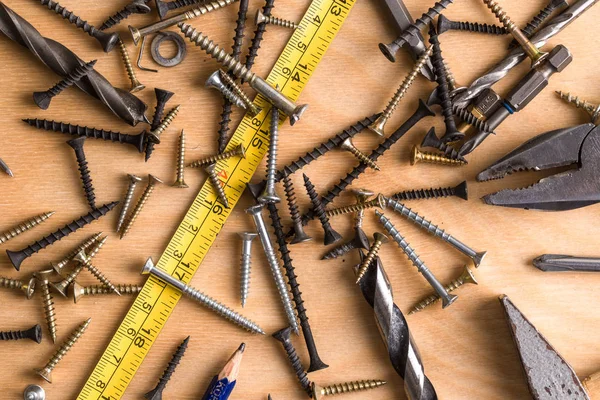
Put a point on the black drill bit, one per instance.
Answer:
(156, 393)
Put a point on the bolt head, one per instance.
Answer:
(254, 210)
(107, 41)
(378, 126)
(30, 289)
(134, 178)
(248, 236)
(260, 17)
(153, 180)
(298, 111)
(380, 237)
(34, 392)
(44, 373)
(389, 51)
(42, 100)
(148, 267)
(448, 300)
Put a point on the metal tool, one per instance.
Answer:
(246, 264)
(359, 241)
(378, 240)
(43, 99)
(79, 291)
(34, 392)
(27, 288)
(174, 38)
(4, 167)
(330, 235)
(134, 7)
(540, 18)
(444, 25)
(561, 263)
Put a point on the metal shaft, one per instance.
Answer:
(133, 182)
(269, 195)
(246, 264)
(179, 179)
(561, 263)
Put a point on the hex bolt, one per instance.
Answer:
(107, 41)
(87, 263)
(263, 234)
(444, 25)
(152, 182)
(331, 236)
(133, 182)
(380, 201)
(269, 195)
(162, 98)
(136, 85)
(154, 135)
(238, 151)
(447, 299)
(46, 371)
(135, 7)
(421, 222)
(466, 276)
(34, 392)
(34, 333)
(47, 301)
(536, 56)
(17, 257)
(156, 393)
(246, 264)
(299, 234)
(24, 226)
(431, 140)
(275, 97)
(283, 336)
(95, 290)
(179, 181)
(43, 99)
(215, 81)
(459, 191)
(380, 239)
(59, 266)
(217, 185)
(27, 288)
(359, 241)
(416, 156)
(348, 146)
(590, 108)
(202, 298)
(84, 172)
(362, 195)
(319, 392)
(237, 90)
(270, 20)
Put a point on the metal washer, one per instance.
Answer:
(172, 37)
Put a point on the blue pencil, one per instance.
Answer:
(222, 384)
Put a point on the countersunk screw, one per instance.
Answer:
(43, 99)
(24, 226)
(270, 20)
(269, 195)
(380, 201)
(34, 333)
(536, 56)
(444, 25)
(590, 108)
(107, 41)
(380, 239)
(133, 182)
(136, 85)
(331, 236)
(179, 181)
(59, 266)
(378, 126)
(135, 7)
(49, 311)
(46, 372)
(162, 98)
(154, 135)
(459, 190)
(359, 241)
(467, 276)
(431, 140)
(283, 336)
(217, 185)
(299, 234)
(417, 155)
(152, 181)
(238, 151)
(156, 393)
(80, 291)
(246, 264)
(34, 392)
(87, 263)
(360, 156)
(27, 288)
(215, 81)
(237, 90)
(362, 195)
(84, 172)
(319, 392)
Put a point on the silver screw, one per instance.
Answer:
(267, 19)
(269, 195)
(447, 299)
(201, 298)
(34, 392)
(466, 277)
(246, 263)
(263, 234)
(179, 181)
(133, 181)
(216, 184)
(360, 156)
(215, 81)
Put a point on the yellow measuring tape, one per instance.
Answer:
(205, 218)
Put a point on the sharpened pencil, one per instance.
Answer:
(222, 384)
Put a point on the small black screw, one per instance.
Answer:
(34, 333)
(299, 234)
(156, 393)
(258, 35)
(444, 25)
(359, 241)
(162, 98)
(284, 337)
(135, 7)
(459, 190)
(43, 99)
(331, 236)
(84, 172)
(431, 140)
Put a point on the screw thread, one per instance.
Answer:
(206, 8)
(403, 244)
(168, 372)
(67, 345)
(362, 157)
(138, 208)
(538, 20)
(238, 151)
(245, 267)
(273, 150)
(12, 335)
(238, 93)
(434, 298)
(84, 173)
(24, 226)
(364, 266)
(95, 290)
(480, 28)
(354, 208)
(470, 119)
(165, 123)
(418, 220)
(77, 270)
(101, 277)
(422, 22)
(127, 202)
(73, 275)
(269, 19)
(500, 14)
(450, 79)
(9, 283)
(223, 134)
(173, 5)
(71, 79)
(179, 180)
(258, 36)
(339, 251)
(127, 62)
(318, 207)
(283, 336)
(217, 185)
(354, 386)
(72, 18)
(290, 194)
(115, 19)
(422, 194)
(590, 108)
(49, 310)
(422, 156)
(58, 267)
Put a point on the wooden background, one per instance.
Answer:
(467, 349)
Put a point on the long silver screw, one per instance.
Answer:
(263, 234)
(179, 181)
(246, 264)
(215, 81)
(269, 195)
(201, 298)
(133, 181)
(421, 222)
(447, 299)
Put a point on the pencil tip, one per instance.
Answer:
(242, 347)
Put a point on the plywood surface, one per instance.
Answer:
(467, 349)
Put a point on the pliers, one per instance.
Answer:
(577, 146)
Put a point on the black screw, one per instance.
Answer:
(431, 140)
(84, 172)
(470, 119)
(539, 19)
(156, 393)
(107, 41)
(163, 7)
(258, 35)
(136, 141)
(299, 234)
(444, 25)
(17, 257)
(34, 333)
(359, 241)
(459, 190)
(43, 99)
(284, 337)
(135, 7)
(331, 236)
(162, 98)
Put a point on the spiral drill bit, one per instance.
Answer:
(156, 393)
(395, 333)
(24, 226)
(43, 99)
(590, 108)
(135, 7)
(63, 61)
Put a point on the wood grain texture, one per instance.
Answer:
(467, 349)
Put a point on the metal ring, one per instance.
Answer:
(172, 37)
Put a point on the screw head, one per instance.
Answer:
(443, 24)
(380, 237)
(260, 17)
(241, 150)
(448, 300)
(469, 276)
(81, 257)
(77, 143)
(214, 80)
(44, 373)
(389, 51)
(34, 392)
(461, 190)
(415, 155)
(34, 333)
(148, 267)
(248, 236)
(138, 7)
(153, 180)
(382, 200)
(180, 184)
(431, 139)
(478, 258)
(298, 111)
(331, 237)
(30, 288)
(254, 210)
(136, 86)
(134, 178)
(42, 100)
(77, 291)
(283, 335)
(108, 41)
(162, 95)
(61, 287)
(44, 276)
(362, 194)
(162, 8)
(378, 126)
(300, 236)
(135, 34)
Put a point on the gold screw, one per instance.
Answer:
(592, 109)
(59, 266)
(467, 276)
(252, 108)
(378, 126)
(380, 239)
(537, 56)
(346, 387)
(152, 181)
(362, 195)
(136, 85)
(267, 19)
(80, 291)
(154, 136)
(27, 288)
(237, 151)
(24, 226)
(217, 184)
(46, 372)
(87, 263)
(179, 181)
(362, 157)
(422, 156)
(380, 201)
(49, 311)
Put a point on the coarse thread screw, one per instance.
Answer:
(135, 7)
(163, 7)
(84, 172)
(417, 155)
(152, 181)
(95, 290)
(156, 393)
(107, 41)
(467, 276)
(162, 98)
(27, 288)
(359, 241)
(319, 392)
(378, 126)
(179, 181)
(43, 99)
(444, 25)
(133, 182)
(87, 263)
(380, 201)
(283, 336)
(46, 372)
(34, 333)
(362, 195)
(237, 90)
(215, 81)
(299, 234)
(270, 20)
(238, 151)
(536, 56)
(17, 257)
(258, 36)
(246, 264)
(360, 156)
(590, 108)
(331, 236)
(459, 190)
(59, 266)
(136, 85)
(269, 195)
(154, 135)
(217, 185)
(470, 119)
(539, 19)
(47, 301)
(380, 239)
(431, 140)
(24, 226)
